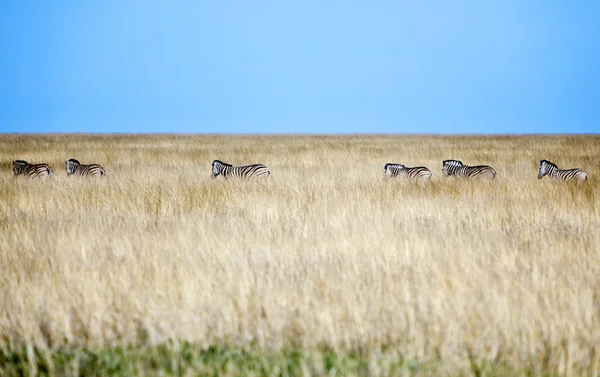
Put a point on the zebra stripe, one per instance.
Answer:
(74, 167)
(402, 172)
(230, 171)
(21, 167)
(552, 171)
(458, 169)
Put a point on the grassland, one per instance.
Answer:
(323, 268)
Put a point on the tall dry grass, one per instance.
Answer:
(323, 253)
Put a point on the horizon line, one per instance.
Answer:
(161, 133)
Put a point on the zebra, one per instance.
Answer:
(248, 171)
(401, 171)
(21, 167)
(74, 167)
(552, 171)
(458, 169)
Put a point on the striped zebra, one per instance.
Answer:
(21, 167)
(74, 167)
(230, 171)
(458, 169)
(402, 172)
(552, 171)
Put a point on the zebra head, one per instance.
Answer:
(545, 168)
(448, 166)
(216, 168)
(388, 169)
(72, 165)
(18, 166)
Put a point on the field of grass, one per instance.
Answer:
(323, 268)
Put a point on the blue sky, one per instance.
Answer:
(300, 66)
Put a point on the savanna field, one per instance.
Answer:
(323, 268)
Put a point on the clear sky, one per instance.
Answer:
(300, 66)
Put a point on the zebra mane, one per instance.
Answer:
(20, 162)
(391, 164)
(220, 162)
(72, 160)
(542, 162)
(453, 162)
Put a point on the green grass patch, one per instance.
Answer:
(187, 359)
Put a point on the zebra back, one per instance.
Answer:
(21, 167)
(403, 172)
(74, 167)
(246, 171)
(458, 169)
(552, 170)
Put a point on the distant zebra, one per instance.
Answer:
(74, 167)
(552, 171)
(21, 167)
(402, 172)
(230, 171)
(458, 169)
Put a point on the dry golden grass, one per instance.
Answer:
(323, 253)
